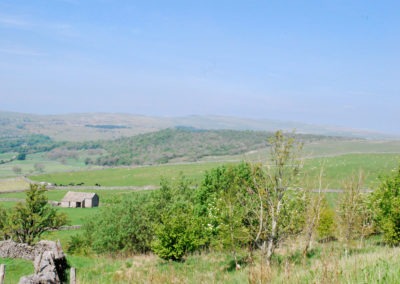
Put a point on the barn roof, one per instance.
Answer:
(77, 196)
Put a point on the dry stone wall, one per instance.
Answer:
(49, 260)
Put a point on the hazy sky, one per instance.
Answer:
(327, 62)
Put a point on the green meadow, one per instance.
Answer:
(336, 169)
(370, 262)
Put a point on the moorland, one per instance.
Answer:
(152, 176)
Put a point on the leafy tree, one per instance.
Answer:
(39, 167)
(21, 156)
(178, 230)
(125, 225)
(28, 221)
(314, 204)
(326, 225)
(351, 206)
(232, 230)
(385, 203)
(3, 223)
(235, 180)
(178, 233)
(280, 202)
(17, 170)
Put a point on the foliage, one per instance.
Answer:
(178, 231)
(17, 170)
(352, 211)
(126, 225)
(281, 203)
(3, 223)
(21, 156)
(28, 221)
(223, 184)
(326, 226)
(385, 202)
(180, 143)
(33, 143)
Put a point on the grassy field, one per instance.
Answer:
(13, 184)
(28, 166)
(336, 169)
(367, 263)
(139, 176)
(15, 269)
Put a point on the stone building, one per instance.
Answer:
(80, 200)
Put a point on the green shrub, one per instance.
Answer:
(326, 226)
(126, 226)
(385, 203)
(180, 232)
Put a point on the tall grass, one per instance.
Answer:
(16, 268)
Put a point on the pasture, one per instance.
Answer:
(336, 168)
(370, 262)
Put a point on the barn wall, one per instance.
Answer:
(65, 204)
(88, 203)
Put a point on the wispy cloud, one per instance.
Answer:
(21, 51)
(22, 23)
(13, 21)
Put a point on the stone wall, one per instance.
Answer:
(49, 260)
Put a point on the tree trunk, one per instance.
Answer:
(274, 233)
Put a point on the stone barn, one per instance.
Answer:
(80, 200)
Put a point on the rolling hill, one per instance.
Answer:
(105, 126)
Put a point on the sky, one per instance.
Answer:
(320, 62)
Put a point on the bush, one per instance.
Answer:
(385, 203)
(179, 233)
(126, 226)
(28, 221)
(326, 226)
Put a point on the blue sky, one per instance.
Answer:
(323, 62)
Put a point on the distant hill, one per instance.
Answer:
(182, 144)
(171, 145)
(105, 126)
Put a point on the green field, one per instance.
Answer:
(369, 263)
(139, 176)
(336, 169)
(13, 184)
(16, 268)
(28, 166)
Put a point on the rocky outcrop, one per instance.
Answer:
(45, 270)
(49, 260)
(11, 249)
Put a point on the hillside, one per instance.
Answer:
(171, 145)
(174, 145)
(105, 126)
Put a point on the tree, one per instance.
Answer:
(28, 221)
(280, 201)
(17, 170)
(314, 206)
(39, 167)
(21, 156)
(126, 226)
(178, 230)
(385, 203)
(3, 223)
(178, 233)
(232, 230)
(352, 213)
